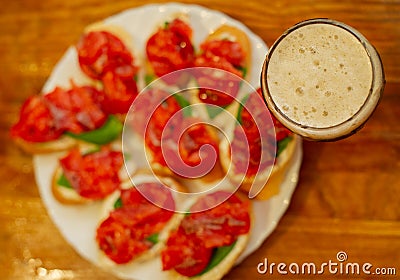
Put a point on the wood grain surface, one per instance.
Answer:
(348, 195)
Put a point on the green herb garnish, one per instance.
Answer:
(217, 256)
(153, 238)
(148, 78)
(108, 132)
(240, 110)
(242, 69)
(184, 104)
(282, 144)
(63, 181)
(213, 111)
(118, 203)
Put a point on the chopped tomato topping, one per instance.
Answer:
(230, 51)
(170, 48)
(192, 139)
(77, 109)
(249, 145)
(189, 248)
(157, 127)
(225, 55)
(100, 52)
(119, 93)
(94, 175)
(124, 234)
(36, 123)
(185, 254)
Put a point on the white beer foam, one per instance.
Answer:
(319, 75)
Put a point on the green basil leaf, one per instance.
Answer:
(108, 132)
(213, 111)
(184, 104)
(148, 78)
(242, 69)
(153, 238)
(282, 144)
(118, 203)
(218, 255)
(63, 181)
(166, 24)
(240, 110)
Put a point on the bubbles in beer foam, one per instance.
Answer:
(326, 63)
(300, 91)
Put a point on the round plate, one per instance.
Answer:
(78, 223)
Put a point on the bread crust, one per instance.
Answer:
(235, 34)
(162, 235)
(58, 145)
(149, 70)
(273, 179)
(194, 184)
(228, 262)
(69, 196)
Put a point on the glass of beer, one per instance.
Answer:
(322, 79)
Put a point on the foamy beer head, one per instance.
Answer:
(322, 79)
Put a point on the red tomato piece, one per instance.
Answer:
(157, 129)
(119, 93)
(256, 147)
(185, 254)
(77, 109)
(170, 48)
(231, 51)
(94, 175)
(35, 124)
(189, 249)
(114, 239)
(220, 225)
(192, 139)
(220, 90)
(100, 52)
(123, 235)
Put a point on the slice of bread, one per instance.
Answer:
(232, 33)
(58, 145)
(226, 264)
(142, 176)
(272, 179)
(67, 194)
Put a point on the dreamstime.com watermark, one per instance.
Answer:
(340, 266)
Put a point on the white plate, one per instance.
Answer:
(78, 223)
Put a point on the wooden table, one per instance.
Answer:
(348, 195)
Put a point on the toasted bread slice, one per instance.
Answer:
(272, 179)
(61, 144)
(197, 184)
(108, 205)
(232, 33)
(226, 264)
(66, 194)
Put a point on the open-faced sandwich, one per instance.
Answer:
(105, 54)
(259, 151)
(57, 120)
(228, 49)
(176, 142)
(209, 239)
(137, 220)
(170, 49)
(88, 173)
